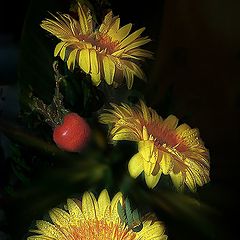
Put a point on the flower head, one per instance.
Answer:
(163, 147)
(107, 52)
(94, 219)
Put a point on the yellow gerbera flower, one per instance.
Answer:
(107, 52)
(95, 219)
(162, 146)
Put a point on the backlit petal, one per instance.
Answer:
(59, 217)
(84, 60)
(75, 211)
(135, 165)
(94, 61)
(166, 163)
(152, 180)
(88, 206)
(49, 229)
(109, 69)
(171, 122)
(71, 59)
(131, 37)
(178, 180)
(122, 32)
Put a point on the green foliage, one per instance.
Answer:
(129, 217)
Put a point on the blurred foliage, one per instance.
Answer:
(42, 176)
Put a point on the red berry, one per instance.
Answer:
(73, 134)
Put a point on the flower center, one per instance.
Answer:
(104, 42)
(101, 230)
(101, 42)
(85, 38)
(164, 136)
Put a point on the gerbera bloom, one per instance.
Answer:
(162, 146)
(106, 52)
(95, 219)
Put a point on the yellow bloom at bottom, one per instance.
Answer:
(95, 219)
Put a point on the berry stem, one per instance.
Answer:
(54, 113)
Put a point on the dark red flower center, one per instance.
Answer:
(165, 136)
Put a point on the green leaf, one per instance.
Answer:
(121, 212)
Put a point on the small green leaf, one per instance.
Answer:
(121, 213)
(128, 212)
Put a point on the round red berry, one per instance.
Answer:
(73, 134)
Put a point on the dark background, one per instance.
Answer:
(195, 75)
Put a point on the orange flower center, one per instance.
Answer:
(101, 230)
(105, 43)
(163, 135)
(102, 42)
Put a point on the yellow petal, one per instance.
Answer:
(58, 48)
(40, 237)
(154, 156)
(114, 28)
(124, 134)
(155, 116)
(129, 56)
(122, 32)
(138, 71)
(95, 203)
(131, 37)
(148, 167)
(146, 149)
(88, 206)
(141, 53)
(106, 22)
(181, 128)
(166, 163)
(152, 180)
(190, 181)
(63, 27)
(71, 59)
(135, 165)
(190, 136)
(137, 43)
(83, 19)
(107, 214)
(84, 60)
(130, 77)
(151, 230)
(103, 203)
(114, 212)
(109, 69)
(178, 180)
(96, 78)
(119, 109)
(171, 122)
(59, 217)
(199, 178)
(94, 61)
(49, 230)
(145, 111)
(200, 173)
(145, 134)
(107, 118)
(75, 211)
(62, 53)
(118, 53)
